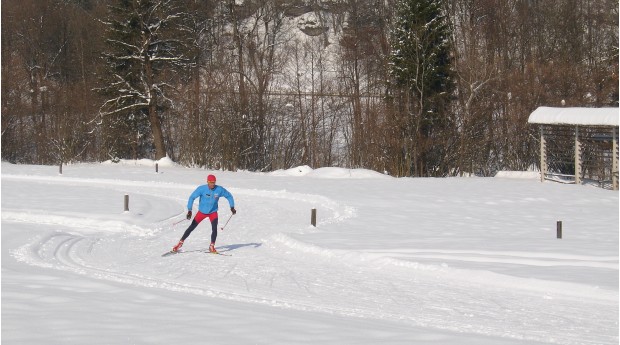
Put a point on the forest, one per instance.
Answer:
(404, 87)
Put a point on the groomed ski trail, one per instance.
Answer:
(271, 261)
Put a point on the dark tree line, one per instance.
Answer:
(410, 87)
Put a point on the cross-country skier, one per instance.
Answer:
(209, 195)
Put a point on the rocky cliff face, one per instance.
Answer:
(312, 17)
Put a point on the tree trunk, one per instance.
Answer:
(158, 136)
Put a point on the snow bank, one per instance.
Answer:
(164, 162)
(329, 173)
(345, 173)
(79, 225)
(518, 174)
(297, 171)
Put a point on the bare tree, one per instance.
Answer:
(48, 67)
(147, 50)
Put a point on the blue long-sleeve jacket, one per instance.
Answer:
(209, 198)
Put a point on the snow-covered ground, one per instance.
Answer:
(391, 261)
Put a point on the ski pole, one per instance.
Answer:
(227, 222)
(174, 224)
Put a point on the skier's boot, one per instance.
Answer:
(177, 247)
(212, 248)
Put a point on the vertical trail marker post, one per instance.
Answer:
(313, 217)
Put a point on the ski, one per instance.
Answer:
(201, 251)
(222, 254)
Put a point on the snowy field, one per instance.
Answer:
(391, 261)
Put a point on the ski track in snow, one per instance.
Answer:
(265, 258)
(521, 258)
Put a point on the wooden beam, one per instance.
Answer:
(578, 160)
(543, 155)
(614, 159)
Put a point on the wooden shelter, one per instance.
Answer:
(578, 145)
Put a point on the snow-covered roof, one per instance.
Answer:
(575, 116)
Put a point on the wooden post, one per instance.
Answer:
(156, 168)
(313, 217)
(577, 156)
(543, 155)
(559, 229)
(614, 160)
(126, 202)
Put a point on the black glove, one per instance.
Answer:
(189, 215)
(232, 209)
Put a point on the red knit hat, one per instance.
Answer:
(211, 178)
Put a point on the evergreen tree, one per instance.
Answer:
(147, 52)
(420, 67)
